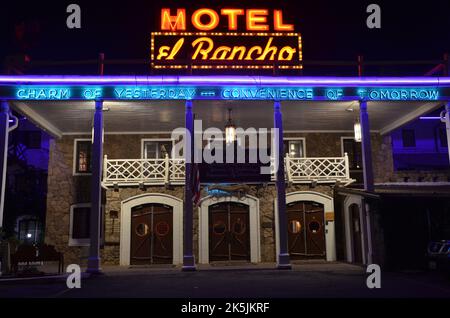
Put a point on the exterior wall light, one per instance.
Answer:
(357, 130)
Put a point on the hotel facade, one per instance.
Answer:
(118, 195)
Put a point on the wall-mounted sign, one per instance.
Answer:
(229, 38)
(132, 92)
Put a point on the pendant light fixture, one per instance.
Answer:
(230, 129)
(357, 130)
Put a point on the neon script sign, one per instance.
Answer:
(246, 38)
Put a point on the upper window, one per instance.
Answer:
(295, 148)
(82, 160)
(157, 149)
(408, 138)
(443, 137)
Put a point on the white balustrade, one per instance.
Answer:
(131, 172)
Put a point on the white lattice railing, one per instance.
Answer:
(143, 171)
(321, 169)
(129, 172)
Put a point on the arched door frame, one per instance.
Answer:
(328, 207)
(348, 202)
(203, 234)
(125, 223)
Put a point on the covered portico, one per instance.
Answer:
(91, 105)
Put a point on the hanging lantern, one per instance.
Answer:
(230, 129)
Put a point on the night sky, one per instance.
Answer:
(331, 30)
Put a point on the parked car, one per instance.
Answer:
(438, 254)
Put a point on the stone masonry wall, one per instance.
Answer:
(265, 194)
(64, 189)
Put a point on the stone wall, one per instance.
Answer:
(265, 193)
(64, 189)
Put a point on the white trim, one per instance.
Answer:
(143, 140)
(327, 201)
(425, 108)
(125, 223)
(74, 133)
(254, 220)
(324, 131)
(298, 138)
(37, 119)
(83, 242)
(74, 159)
(414, 184)
(348, 202)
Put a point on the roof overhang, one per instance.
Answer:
(142, 104)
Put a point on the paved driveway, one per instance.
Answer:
(304, 281)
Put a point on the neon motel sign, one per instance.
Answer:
(228, 38)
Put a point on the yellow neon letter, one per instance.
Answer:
(278, 24)
(222, 50)
(289, 50)
(173, 23)
(200, 50)
(256, 16)
(236, 49)
(268, 49)
(232, 17)
(213, 19)
(250, 52)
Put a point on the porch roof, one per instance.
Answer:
(75, 117)
(314, 109)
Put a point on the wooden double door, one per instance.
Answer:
(229, 232)
(151, 234)
(306, 230)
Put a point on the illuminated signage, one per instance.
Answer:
(38, 93)
(399, 94)
(252, 38)
(150, 92)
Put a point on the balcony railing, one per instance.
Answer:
(136, 172)
(130, 172)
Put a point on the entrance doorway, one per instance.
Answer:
(229, 232)
(355, 227)
(151, 234)
(306, 230)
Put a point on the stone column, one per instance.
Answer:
(4, 132)
(283, 261)
(188, 257)
(96, 190)
(366, 146)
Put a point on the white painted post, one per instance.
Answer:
(105, 167)
(166, 176)
(288, 168)
(347, 168)
(4, 132)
